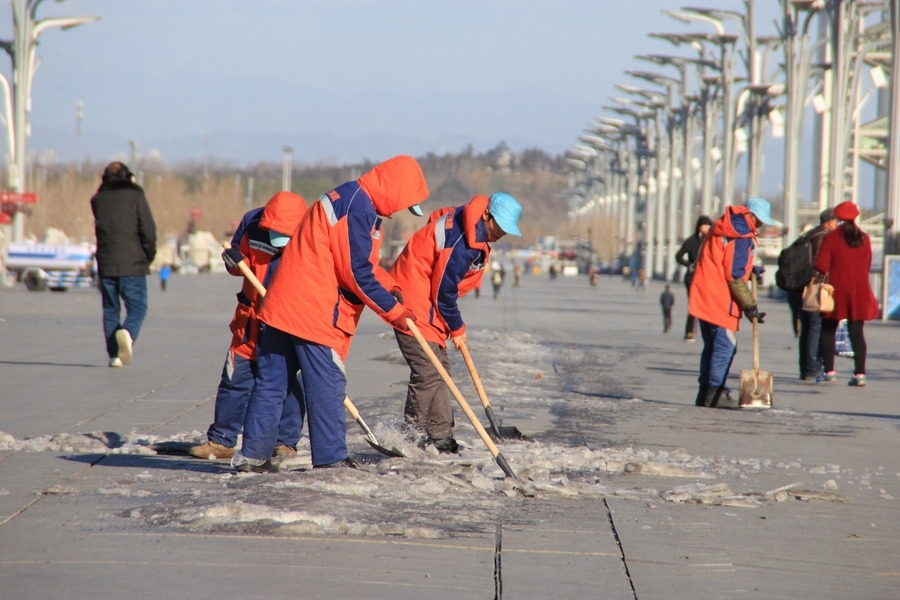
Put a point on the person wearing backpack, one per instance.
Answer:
(795, 270)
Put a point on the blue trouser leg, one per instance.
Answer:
(276, 365)
(324, 386)
(109, 294)
(811, 329)
(719, 348)
(292, 414)
(134, 294)
(235, 387)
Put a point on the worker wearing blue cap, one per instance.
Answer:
(442, 262)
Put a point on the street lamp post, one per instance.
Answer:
(892, 205)
(22, 50)
(286, 159)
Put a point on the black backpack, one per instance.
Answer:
(795, 267)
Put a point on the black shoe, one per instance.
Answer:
(341, 464)
(446, 445)
(266, 467)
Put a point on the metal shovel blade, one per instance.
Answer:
(392, 452)
(756, 389)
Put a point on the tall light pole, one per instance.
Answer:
(892, 204)
(79, 115)
(22, 50)
(286, 155)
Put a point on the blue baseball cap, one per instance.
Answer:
(761, 208)
(506, 210)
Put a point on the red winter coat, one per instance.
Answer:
(281, 214)
(726, 254)
(329, 271)
(848, 271)
(441, 263)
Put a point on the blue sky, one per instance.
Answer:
(342, 80)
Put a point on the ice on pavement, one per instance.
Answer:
(427, 495)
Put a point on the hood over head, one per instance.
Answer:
(701, 221)
(283, 213)
(737, 222)
(395, 184)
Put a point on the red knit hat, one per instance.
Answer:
(846, 211)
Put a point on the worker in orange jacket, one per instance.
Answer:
(258, 241)
(441, 263)
(720, 294)
(329, 273)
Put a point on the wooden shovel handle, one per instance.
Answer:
(755, 327)
(474, 373)
(256, 283)
(453, 389)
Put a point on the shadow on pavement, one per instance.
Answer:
(139, 461)
(44, 364)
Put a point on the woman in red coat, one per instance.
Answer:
(845, 257)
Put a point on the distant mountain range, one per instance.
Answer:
(243, 148)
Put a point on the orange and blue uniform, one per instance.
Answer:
(328, 274)
(441, 263)
(726, 257)
(281, 214)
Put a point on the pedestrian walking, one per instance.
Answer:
(164, 272)
(641, 279)
(845, 258)
(126, 245)
(441, 263)
(667, 301)
(687, 257)
(498, 273)
(258, 242)
(327, 276)
(719, 294)
(517, 273)
(810, 323)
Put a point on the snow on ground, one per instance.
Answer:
(427, 495)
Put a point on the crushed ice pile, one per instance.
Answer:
(96, 442)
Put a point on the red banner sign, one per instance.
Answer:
(18, 198)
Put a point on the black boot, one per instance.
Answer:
(701, 396)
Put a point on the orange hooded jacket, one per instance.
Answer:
(329, 271)
(441, 263)
(281, 214)
(725, 255)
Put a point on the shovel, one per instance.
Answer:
(496, 431)
(369, 437)
(501, 460)
(756, 385)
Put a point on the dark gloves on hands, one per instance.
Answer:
(232, 256)
(752, 312)
(397, 294)
(400, 322)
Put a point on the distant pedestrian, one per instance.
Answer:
(845, 259)
(517, 272)
(720, 294)
(126, 245)
(641, 279)
(667, 301)
(164, 272)
(687, 258)
(810, 323)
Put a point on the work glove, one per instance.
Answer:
(232, 256)
(397, 294)
(752, 312)
(400, 322)
(758, 270)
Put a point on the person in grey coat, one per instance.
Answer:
(126, 245)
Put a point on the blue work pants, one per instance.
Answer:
(279, 357)
(235, 387)
(719, 348)
(133, 292)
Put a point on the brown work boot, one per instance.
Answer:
(211, 450)
(283, 450)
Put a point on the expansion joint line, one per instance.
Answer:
(615, 533)
(498, 572)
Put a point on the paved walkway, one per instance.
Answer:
(598, 373)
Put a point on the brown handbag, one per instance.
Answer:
(818, 297)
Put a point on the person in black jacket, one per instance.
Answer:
(690, 248)
(126, 245)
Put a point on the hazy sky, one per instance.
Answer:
(339, 78)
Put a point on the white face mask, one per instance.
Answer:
(279, 240)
